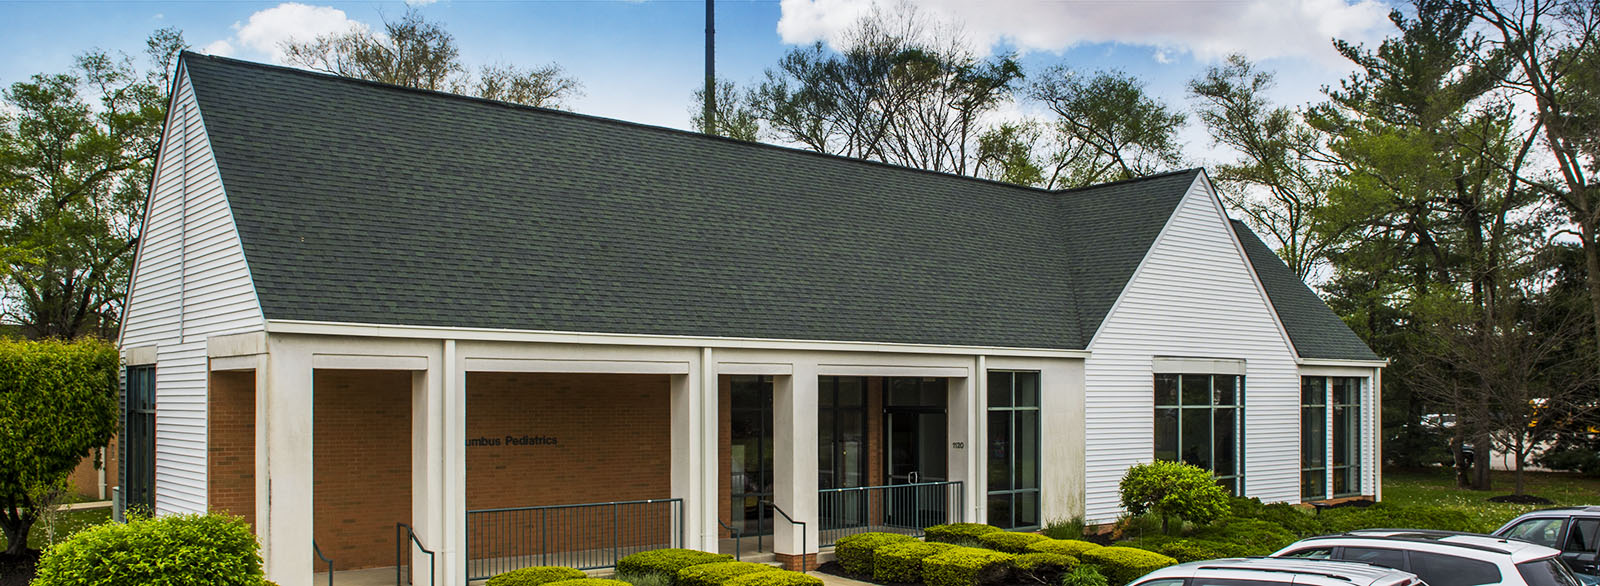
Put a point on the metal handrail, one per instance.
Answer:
(907, 485)
(804, 551)
(515, 536)
(400, 545)
(581, 505)
(738, 539)
(325, 559)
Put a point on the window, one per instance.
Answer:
(1546, 572)
(1541, 531)
(1013, 449)
(1388, 558)
(1330, 437)
(139, 466)
(1583, 536)
(1315, 553)
(841, 432)
(1200, 421)
(751, 460)
(1438, 569)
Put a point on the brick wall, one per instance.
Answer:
(597, 438)
(362, 464)
(85, 478)
(231, 444)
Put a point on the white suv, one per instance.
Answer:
(1276, 572)
(1442, 558)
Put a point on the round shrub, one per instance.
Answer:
(175, 550)
(958, 532)
(1044, 568)
(1084, 576)
(588, 582)
(1122, 565)
(902, 562)
(1072, 547)
(777, 578)
(714, 574)
(1173, 490)
(536, 576)
(1010, 542)
(854, 552)
(966, 566)
(667, 561)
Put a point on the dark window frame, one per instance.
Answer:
(139, 438)
(1235, 481)
(1012, 412)
(830, 385)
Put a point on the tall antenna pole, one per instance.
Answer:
(709, 118)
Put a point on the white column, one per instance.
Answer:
(694, 451)
(452, 547)
(964, 445)
(978, 433)
(263, 511)
(794, 434)
(427, 459)
(289, 465)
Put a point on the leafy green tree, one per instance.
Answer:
(58, 401)
(416, 52)
(1108, 127)
(734, 116)
(1173, 490)
(76, 155)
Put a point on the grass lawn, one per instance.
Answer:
(66, 524)
(1436, 487)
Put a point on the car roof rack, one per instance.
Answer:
(1422, 536)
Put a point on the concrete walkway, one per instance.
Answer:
(87, 505)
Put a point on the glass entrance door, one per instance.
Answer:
(916, 446)
(915, 435)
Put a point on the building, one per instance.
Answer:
(358, 305)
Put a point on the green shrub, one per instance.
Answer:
(1122, 565)
(536, 576)
(902, 562)
(714, 574)
(666, 561)
(1042, 568)
(175, 550)
(1192, 550)
(1260, 537)
(1064, 528)
(650, 579)
(1072, 547)
(958, 532)
(966, 566)
(1010, 542)
(588, 582)
(1173, 490)
(854, 552)
(1084, 576)
(1387, 516)
(1296, 520)
(777, 578)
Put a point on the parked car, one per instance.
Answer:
(1443, 558)
(1573, 530)
(1277, 572)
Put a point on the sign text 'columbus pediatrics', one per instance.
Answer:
(511, 440)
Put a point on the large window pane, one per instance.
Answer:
(1166, 389)
(1313, 390)
(1225, 438)
(1205, 427)
(1026, 505)
(1196, 437)
(1341, 439)
(1027, 389)
(1314, 439)
(1196, 390)
(1166, 434)
(1223, 389)
(999, 450)
(999, 389)
(1027, 425)
(1014, 449)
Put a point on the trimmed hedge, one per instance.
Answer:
(1193, 550)
(1258, 536)
(1044, 568)
(716, 573)
(536, 576)
(667, 561)
(902, 562)
(776, 578)
(1010, 542)
(854, 552)
(1072, 547)
(1122, 565)
(966, 566)
(588, 582)
(175, 550)
(958, 532)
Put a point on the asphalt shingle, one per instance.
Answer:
(1313, 327)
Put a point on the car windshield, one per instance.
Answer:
(1547, 572)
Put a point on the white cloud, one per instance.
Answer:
(265, 32)
(1261, 29)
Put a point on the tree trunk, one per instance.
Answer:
(1458, 452)
(1482, 455)
(1522, 455)
(16, 533)
(1591, 259)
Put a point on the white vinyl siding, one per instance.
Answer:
(1194, 296)
(190, 282)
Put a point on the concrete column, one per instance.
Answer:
(427, 462)
(694, 452)
(263, 511)
(794, 434)
(452, 547)
(965, 446)
(289, 517)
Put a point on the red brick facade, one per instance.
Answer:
(231, 445)
(362, 464)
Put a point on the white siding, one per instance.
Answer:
(1194, 296)
(190, 282)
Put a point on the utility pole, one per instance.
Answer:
(710, 116)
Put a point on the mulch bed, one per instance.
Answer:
(1525, 499)
(17, 570)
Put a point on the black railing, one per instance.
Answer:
(898, 508)
(406, 545)
(325, 559)
(804, 554)
(738, 539)
(584, 536)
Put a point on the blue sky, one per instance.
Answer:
(639, 60)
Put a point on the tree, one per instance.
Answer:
(76, 155)
(415, 52)
(58, 401)
(734, 116)
(1108, 127)
(1279, 182)
(1173, 490)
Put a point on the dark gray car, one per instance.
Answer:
(1573, 530)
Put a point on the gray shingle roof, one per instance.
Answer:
(367, 203)
(1315, 330)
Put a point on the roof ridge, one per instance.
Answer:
(665, 129)
(1160, 175)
